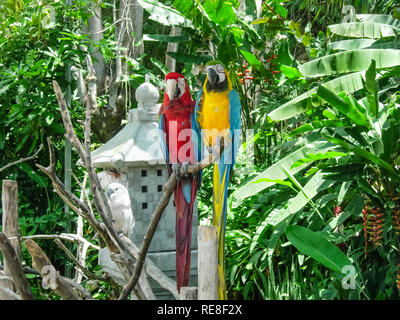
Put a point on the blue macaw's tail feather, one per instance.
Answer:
(184, 196)
(220, 193)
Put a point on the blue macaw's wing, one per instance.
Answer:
(235, 121)
(196, 130)
(198, 142)
(161, 133)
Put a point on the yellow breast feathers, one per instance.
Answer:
(214, 115)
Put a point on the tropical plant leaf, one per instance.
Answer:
(164, 38)
(276, 172)
(164, 14)
(347, 109)
(350, 61)
(363, 30)
(362, 153)
(160, 65)
(379, 18)
(290, 72)
(371, 88)
(314, 125)
(353, 44)
(280, 218)
(317, 247)
(314, 185)
(311, 157)
(42, 182)
(348, 83)
(254, 61)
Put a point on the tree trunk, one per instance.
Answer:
(170, 62)
(106, 122)
(95, 32)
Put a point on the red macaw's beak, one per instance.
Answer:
(172, 89)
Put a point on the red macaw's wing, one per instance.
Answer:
(184, 197)
(178, 131)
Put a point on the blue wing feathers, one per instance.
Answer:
(162, 138)
(235, 121)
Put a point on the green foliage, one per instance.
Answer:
(321, 95)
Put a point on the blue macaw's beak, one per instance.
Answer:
(212, 76)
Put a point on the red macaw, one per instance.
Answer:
(179, 148)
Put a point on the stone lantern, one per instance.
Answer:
(135, 154)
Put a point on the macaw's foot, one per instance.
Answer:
(181, 170)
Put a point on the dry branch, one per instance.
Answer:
(40, 260)
(84, 154)
(70, 255)
(25, 269)
(73, 201)
(10, 225)
(22, 160)
(7, 294)
(152, 270)
(21, 283)
(63, 236)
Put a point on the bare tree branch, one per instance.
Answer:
(63, 236)
(21, 283)
(22, 160)
(39, 261)
(70, 255)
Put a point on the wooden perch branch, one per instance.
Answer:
(14, 266)
(152, 270)
(43, 265)
(22, 160)
(169, 188)
(70, 255)
(63, 236)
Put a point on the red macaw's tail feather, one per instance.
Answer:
(184, 196)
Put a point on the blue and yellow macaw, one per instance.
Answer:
(218, 115)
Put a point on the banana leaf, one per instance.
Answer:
(348, 83)
(363, 153)
(164, 38)
(276, 172)
(363, 30)
(317, 247)
(379, 18)
(164, 14)
(350, 61)
(347, 108)
(352, 44)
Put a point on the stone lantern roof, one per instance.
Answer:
(137, 144)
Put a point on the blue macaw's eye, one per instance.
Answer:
(219, 68)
